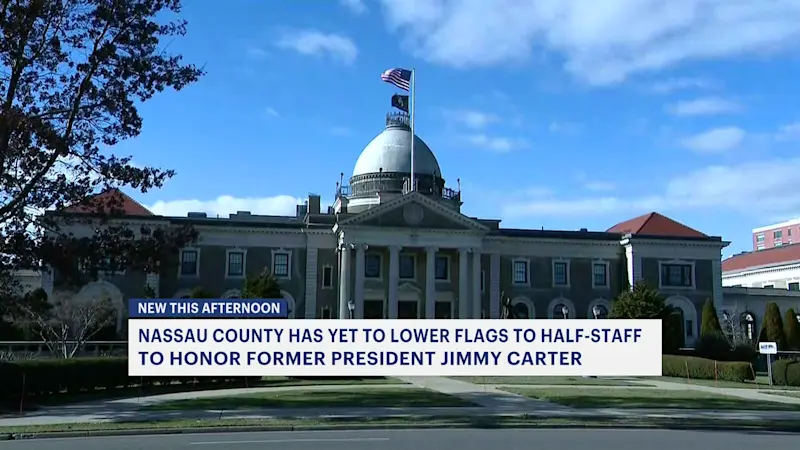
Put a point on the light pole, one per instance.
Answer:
(351, 307)
(596, 311)
(565, 311)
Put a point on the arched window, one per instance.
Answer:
(561, 311)
(521, 311)
(600, 312)
(748, 321)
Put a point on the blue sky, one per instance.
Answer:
(553, 113)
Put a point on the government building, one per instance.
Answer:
(388, 248)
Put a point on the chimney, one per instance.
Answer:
(313, 204)
(301, 210)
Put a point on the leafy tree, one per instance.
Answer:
(709, 325)
(265, 285)
(792, 330)
(772, 326)
(641, 302)
(72, 74)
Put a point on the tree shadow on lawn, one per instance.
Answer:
(320, 399)
(665, 402)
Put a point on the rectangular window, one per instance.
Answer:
(560, 274)
(768, 286)
(676, 275)
(280, 264)
(760, 237)
(189, 262)
(795, 286)
(689, 328)
(777, 234)
(235, 264)
(520, 272)
(326, 313)
(760, 247)
(407, 267)
(600, 275)
(327, 277)
(442, 268)
(789, 232)
(372, 266)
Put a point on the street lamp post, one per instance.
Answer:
(351, 307)
(565, 311)
(596, 311)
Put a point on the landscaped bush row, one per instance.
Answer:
(786, 372)
(705, 369)
(47, 377)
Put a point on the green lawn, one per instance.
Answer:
(761, 382)
(567, 381)
(410, 397)
(102, 394)
(795, 394)
(646, 398)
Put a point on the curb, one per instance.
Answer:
(665, 424)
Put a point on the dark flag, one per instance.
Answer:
(398, 77)
(400, 102)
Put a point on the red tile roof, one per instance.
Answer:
(655, 224)
(112, 200)
(769, 257)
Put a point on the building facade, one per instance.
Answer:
(390, 247)
(776, 235)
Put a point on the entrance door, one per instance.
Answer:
(444, 310)
(373, 309)
(407, 310)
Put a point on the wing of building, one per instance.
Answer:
(391, 251)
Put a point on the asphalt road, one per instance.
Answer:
(429, 440)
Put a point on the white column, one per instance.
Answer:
(716, 273)
(494, 286)
(394, 280)
(463, 283)
(344, 281)
(634, 262)
(311, 283)
(430, 282)
(477, 298)
(359, 287)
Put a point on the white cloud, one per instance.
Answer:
(317, 43)
(495, 144)
(789, 132)
(600, 186)
(472, 119)
(341, 131)
(714, 188)
(704, 107)
(716, 140)
(271, 112)
(224, 205)
(680, 84)
(355, 6)
(600, 45)
(256, 52)
(565, 128)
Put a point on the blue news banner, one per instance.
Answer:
(188, 308)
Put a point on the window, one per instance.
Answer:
(326, 313)
(520, 271)
(483, 281)
(189, 259)
(689, 328)
(442, 268)
(795, 286)
(777, 234)
(560, 273)
(760, 238)
(677, 275)
(372, 266)
(600, 274)
(760, 247)
(327, 277)
(407, 267)
(280, 264)
(789, 232)
(235, 263)
(768, 286)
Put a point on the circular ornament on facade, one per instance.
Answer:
(413, 214)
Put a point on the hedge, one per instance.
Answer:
(786, 372)
(705, 369)
(42, 378)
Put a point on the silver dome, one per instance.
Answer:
(390, 152)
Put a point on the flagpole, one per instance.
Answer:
(413, 136)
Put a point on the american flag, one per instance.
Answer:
(398, 77)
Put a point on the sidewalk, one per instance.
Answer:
(491, 401)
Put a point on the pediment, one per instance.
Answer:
(414, 210)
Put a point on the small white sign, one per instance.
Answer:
(768, 348)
